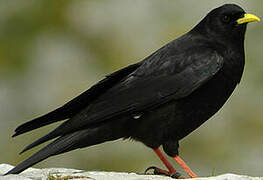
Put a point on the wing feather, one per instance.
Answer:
(137, 94)
(77, 104)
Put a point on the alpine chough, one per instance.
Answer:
(157, 101)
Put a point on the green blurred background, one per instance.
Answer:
(51, 51)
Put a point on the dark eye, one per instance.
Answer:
(225, 18)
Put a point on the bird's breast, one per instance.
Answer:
(193, 110)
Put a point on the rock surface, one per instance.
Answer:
(68, 174)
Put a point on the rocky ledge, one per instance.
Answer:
(68, 174)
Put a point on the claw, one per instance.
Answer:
(149, 168)
(177, 175)
(158, 171)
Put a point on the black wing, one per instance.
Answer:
(77, 104)
(154, 83)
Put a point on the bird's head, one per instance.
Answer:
(227, 22)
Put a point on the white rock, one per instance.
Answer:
(45, 174)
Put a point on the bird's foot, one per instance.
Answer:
(158, 171)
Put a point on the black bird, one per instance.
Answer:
(157, 101)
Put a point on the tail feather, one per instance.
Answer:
(65, 128)
(60, 145)
(53, 134)
(69, 142)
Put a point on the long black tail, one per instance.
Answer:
(78, 139)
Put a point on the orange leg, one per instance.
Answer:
(172, 172)
(185, 167)
(169, 166)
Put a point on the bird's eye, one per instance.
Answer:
(225, 19)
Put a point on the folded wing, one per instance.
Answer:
(75, 105)
(149, 86)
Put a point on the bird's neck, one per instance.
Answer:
(235, 38)
(234, 52)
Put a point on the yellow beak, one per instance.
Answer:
(248, 18)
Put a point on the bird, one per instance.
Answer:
(157, 101)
